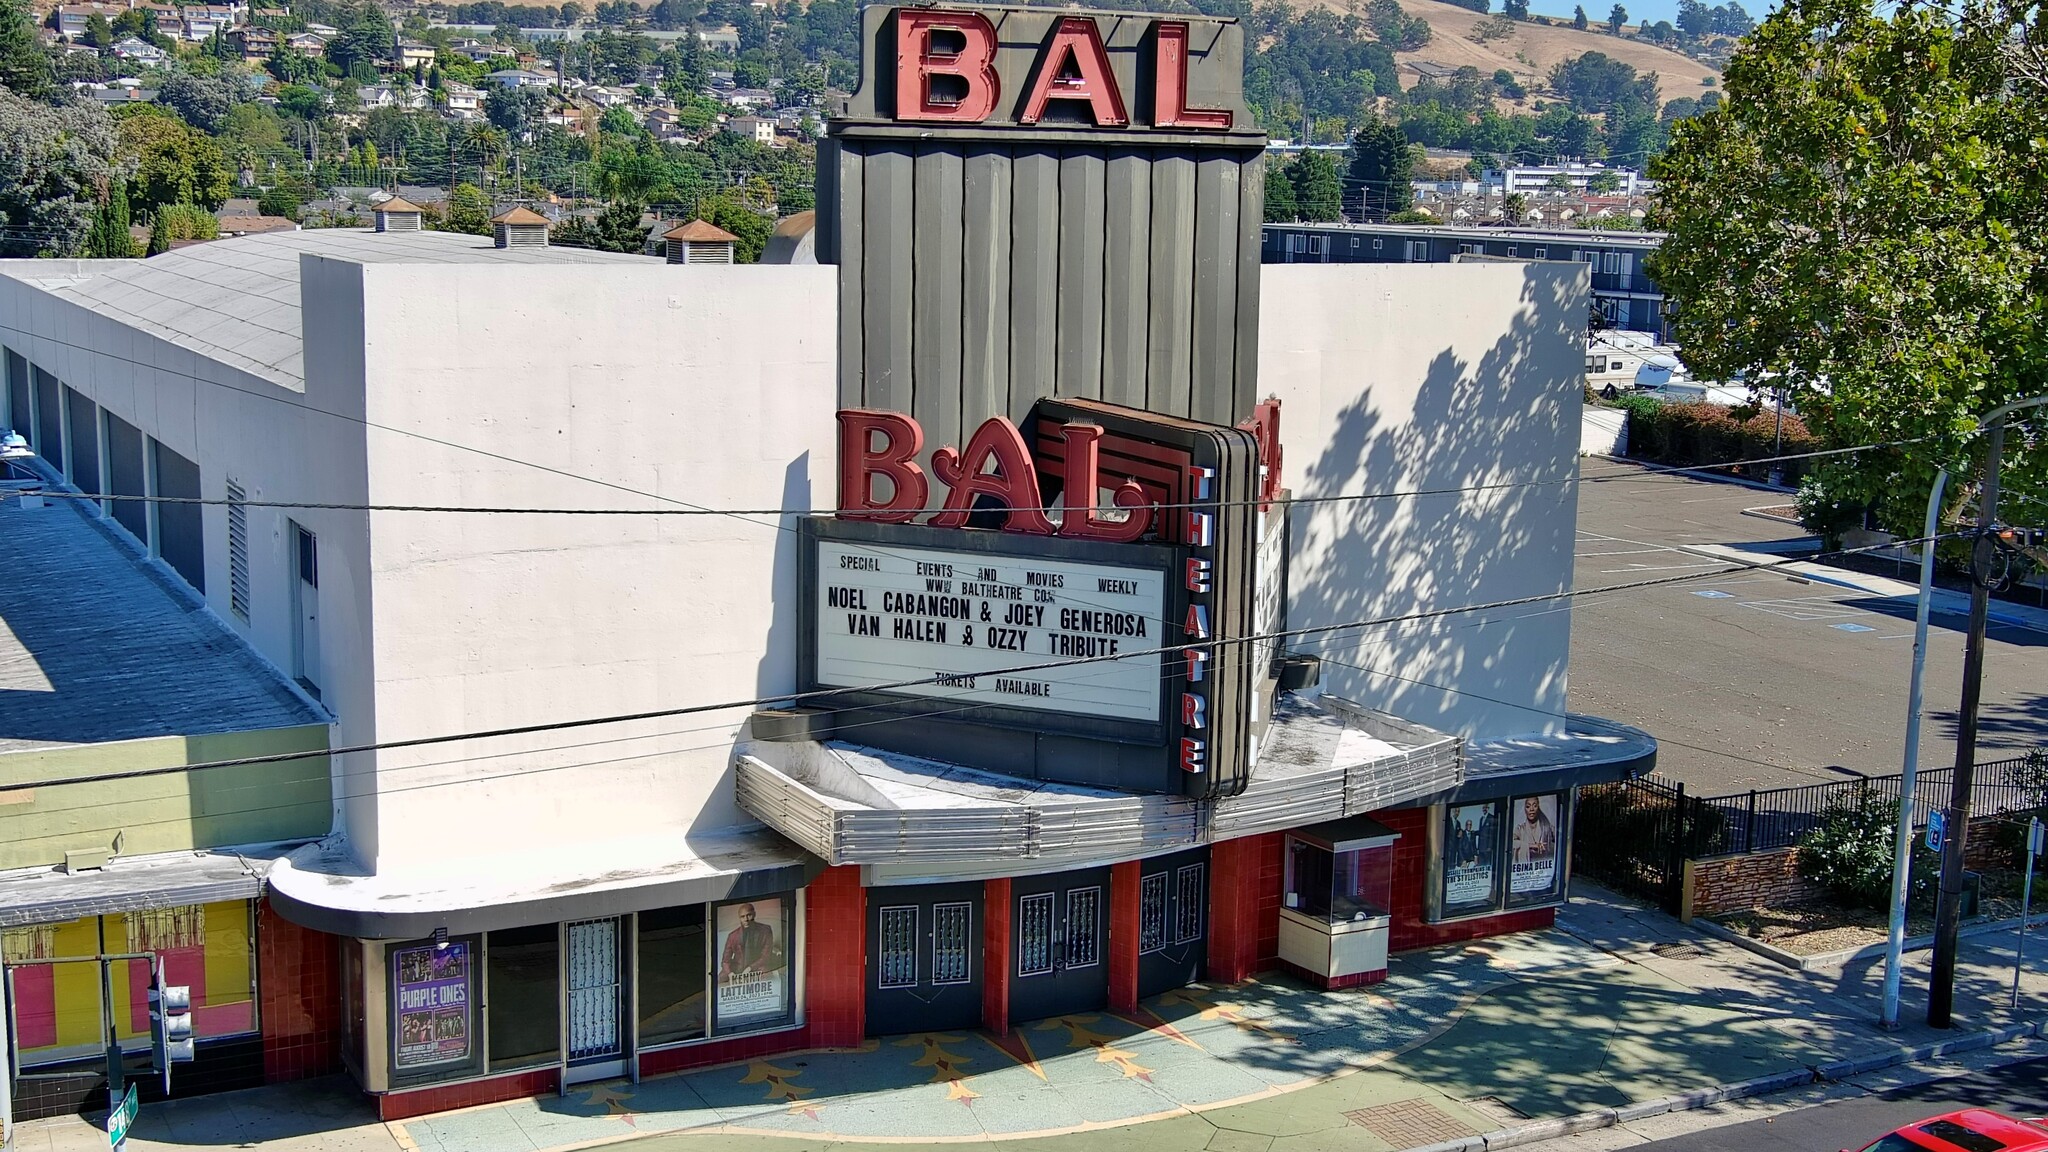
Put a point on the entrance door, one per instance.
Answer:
(306, 606)
(1173, 920)
(1059, 951)
(596, 1036)
(924, 958)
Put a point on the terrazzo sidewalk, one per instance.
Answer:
(1618, 1005)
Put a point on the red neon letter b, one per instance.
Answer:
(917, 62)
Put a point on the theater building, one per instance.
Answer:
(1030, 606)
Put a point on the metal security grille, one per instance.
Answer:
(951, 938)
(898, 958)
(238, 551)
(593, 988)
(1084, 939)
(1152, 913)
(1187, 903)
(1034, 934)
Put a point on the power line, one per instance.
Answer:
(934, 680)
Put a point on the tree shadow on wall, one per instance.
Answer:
(1494, 441)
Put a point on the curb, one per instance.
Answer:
(1537, 1131)
(1823, 960)
(1695, 473)
(1812, 572)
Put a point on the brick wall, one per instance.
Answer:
(1124, 911)
(1772, 880)
(835, 959)
(1244, 906)
(298, 976)
(995, 957)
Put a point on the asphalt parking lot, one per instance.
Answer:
(1757, 679)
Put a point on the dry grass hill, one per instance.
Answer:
(1533, 48)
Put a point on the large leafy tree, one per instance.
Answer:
(53, 163)
(1864, 218)
(173, 162)
(1318, 195)
(24, 66)
(1377, 184)
(1280, 206)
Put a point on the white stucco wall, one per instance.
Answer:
(1441, 378)
(586, 386)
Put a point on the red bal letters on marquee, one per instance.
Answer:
(1170, 84)
(1078, 493)
(860, 462)
(1014, 483)
(917, 62)
(1076, 40)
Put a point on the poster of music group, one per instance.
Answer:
(1474, 843)
(753, 963)
(431, 1008)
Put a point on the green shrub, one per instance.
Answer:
(1850, 854)
(1694, 433)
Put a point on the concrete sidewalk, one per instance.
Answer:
(1622, 1008)
(1943, 601)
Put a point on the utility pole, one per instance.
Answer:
(1941, 990)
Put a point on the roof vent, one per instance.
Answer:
(396, 215)
(699, 242)
(520, 228)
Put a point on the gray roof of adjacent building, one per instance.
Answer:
(97, 645)
(237, 300)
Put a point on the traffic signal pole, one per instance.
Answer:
(1941, 989)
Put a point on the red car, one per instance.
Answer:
(1970, 1130)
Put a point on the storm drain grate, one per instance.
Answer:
(1410, 1123)
(1675, 951)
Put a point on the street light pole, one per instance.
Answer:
(1902, 840)
(1941, 990)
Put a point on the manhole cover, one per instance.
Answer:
(1410, 1123)
(1678, 951)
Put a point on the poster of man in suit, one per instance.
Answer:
(753, 962)
(1469, 868)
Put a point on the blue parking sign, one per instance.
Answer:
(1937, 830)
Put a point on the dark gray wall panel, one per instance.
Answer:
(1127, 262)
(848, 233)
(935, 295)
(1034, 276)
(49, 431)
(82, 416)
(124, 475)
(1251, 209)
(17, 393)
(889, 198)
(824, 239)
(181, 532)
(1214, 364)
(1173, 289)
(985, 286)
(1080, 304)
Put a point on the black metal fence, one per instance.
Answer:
(1637, 834)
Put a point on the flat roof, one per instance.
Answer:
(1587, 236)
(237, 300)
(97, 646)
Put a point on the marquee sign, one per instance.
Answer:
(888, 613)
(1116, 603)
(1040, 69)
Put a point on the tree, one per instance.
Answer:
(279, 202)
(1579, 20)
(24, 66)
(1318, 195)
(203, 101)
(1604, 183)
(173, 162)
(1558, 183)
(53, 162)
(1866, 216)
(615, 229)
(1515, 207)
(1515, 9)
(571, 14)
(753, 228)
(109, 238)
(99, 32)
(469, 210)
(1616, 17)
(516, 111)
(303, 102)
(1280, 206)
(1695, 19)
(1381, 168)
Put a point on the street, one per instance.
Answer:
(2017, 1089)
(1761, 680)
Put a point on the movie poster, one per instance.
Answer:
(1534, 845)
(1471, 845)
(431, 1009)
(752, 975)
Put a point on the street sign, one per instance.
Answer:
(1937, 830)
(122, 1118)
